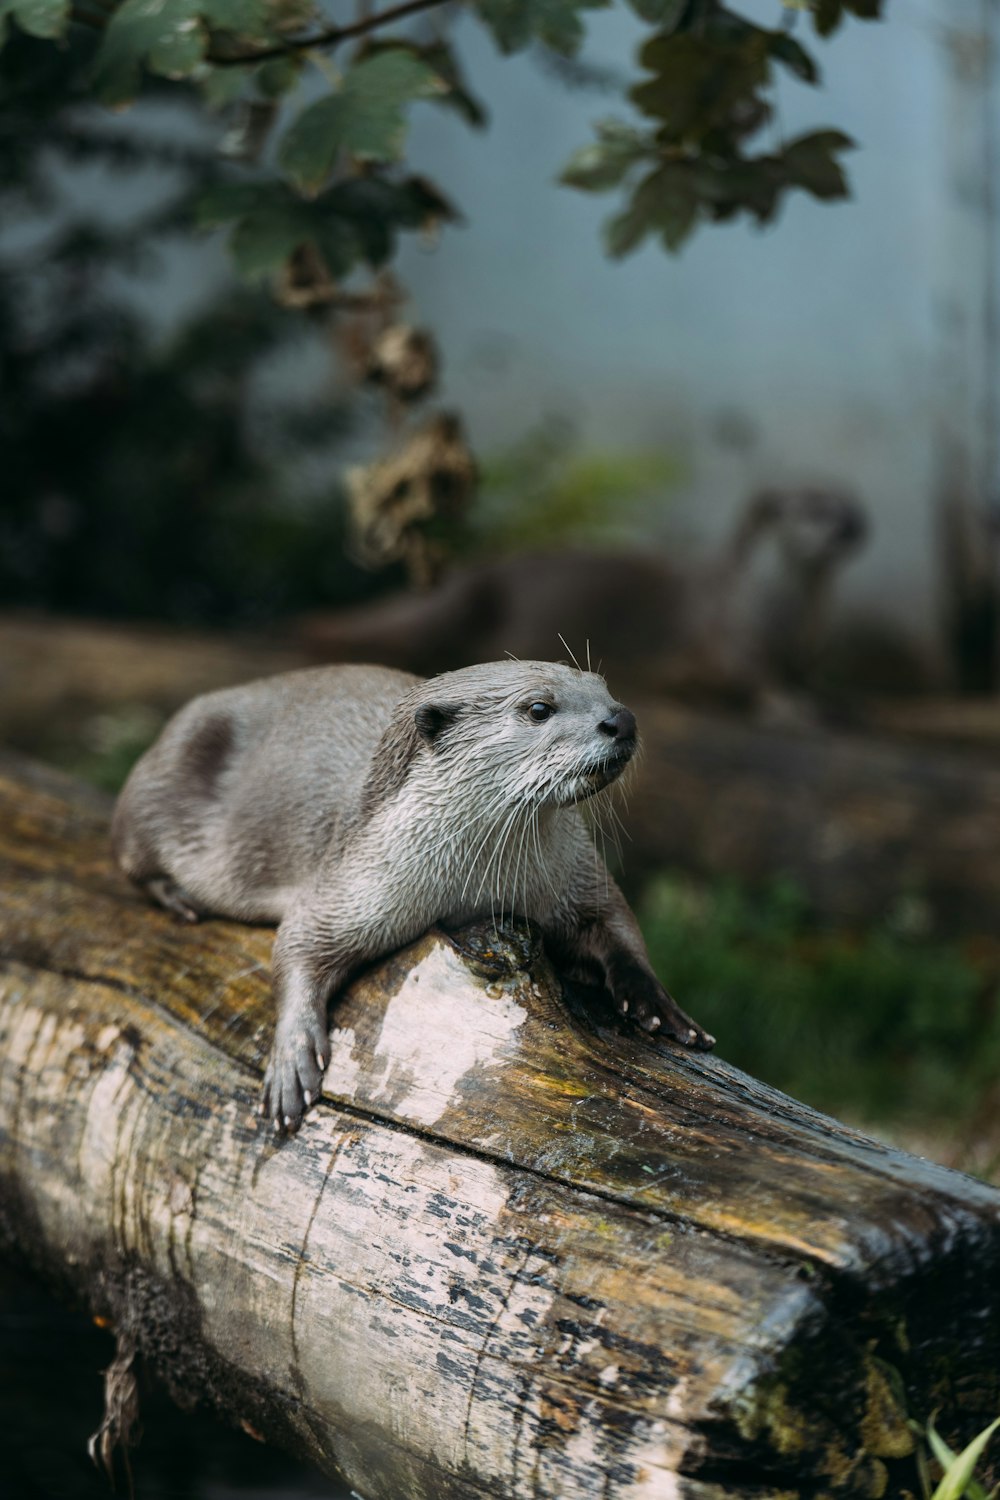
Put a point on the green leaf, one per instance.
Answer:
(277, 76)
(515, 23)
(221, 87)
(664, 203)
(959, 1471)
(341, 246)
(357, 220)
(377, 208)
(262, 241)
(606, 161)
(666, 14)
(41, 18)
(440, 58)
(594, 168)
(828, 14)
(795, 57)
(364, 117)
(170, 37)
(225, 201)
(809, 163)
(699, 83)
(625, 233)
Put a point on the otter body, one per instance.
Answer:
(356, 806)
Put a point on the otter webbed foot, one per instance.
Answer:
(294, 1074)
(642, 998)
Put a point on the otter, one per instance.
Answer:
(355, 806)
(734, 630)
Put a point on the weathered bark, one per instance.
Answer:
(513, 1252)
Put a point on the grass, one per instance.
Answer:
(886, 1026)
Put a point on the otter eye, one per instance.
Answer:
(540, 711)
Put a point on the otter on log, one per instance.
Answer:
(355, 806)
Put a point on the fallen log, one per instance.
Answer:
(57, 675)
(857, 821)
(513, 1252)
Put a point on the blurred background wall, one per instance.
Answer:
(848, 343)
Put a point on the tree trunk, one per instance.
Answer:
(513, 1252)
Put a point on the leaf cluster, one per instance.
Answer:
(708, 97)
(143, 478)
(324, 178)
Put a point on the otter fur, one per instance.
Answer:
(355, 806)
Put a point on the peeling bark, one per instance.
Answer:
(514, 1252)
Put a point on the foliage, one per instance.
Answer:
(336, 182)
(884, 1024)
(542, 491)
(139, 480)
(712, 78)
(958, 1469)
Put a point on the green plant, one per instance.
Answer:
(883, 1024)
(542, 490)
(958, 1469)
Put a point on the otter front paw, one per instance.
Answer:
(642, 998)
(295, 1073)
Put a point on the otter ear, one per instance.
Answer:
(432, 718)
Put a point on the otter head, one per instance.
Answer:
(815, 529)
(530, 733)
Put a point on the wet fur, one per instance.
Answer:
(355, 806)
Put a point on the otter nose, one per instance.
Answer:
(619, 725)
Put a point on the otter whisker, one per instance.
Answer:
(609, 828)
(522, 829)
(571, 656)
(493, 807)
(543, 867)
(492, 832)
(506, 869)
(621, 832)
(495, 858)
(600, 859)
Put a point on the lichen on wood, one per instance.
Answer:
(515, 1251)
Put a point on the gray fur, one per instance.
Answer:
(355, 806)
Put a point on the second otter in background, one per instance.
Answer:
(737, 628)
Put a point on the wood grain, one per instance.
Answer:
(514, 1252)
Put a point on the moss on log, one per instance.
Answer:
(513, 1252)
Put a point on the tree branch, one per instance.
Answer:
(333, 37)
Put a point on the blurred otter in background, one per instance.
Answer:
(741, 629)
